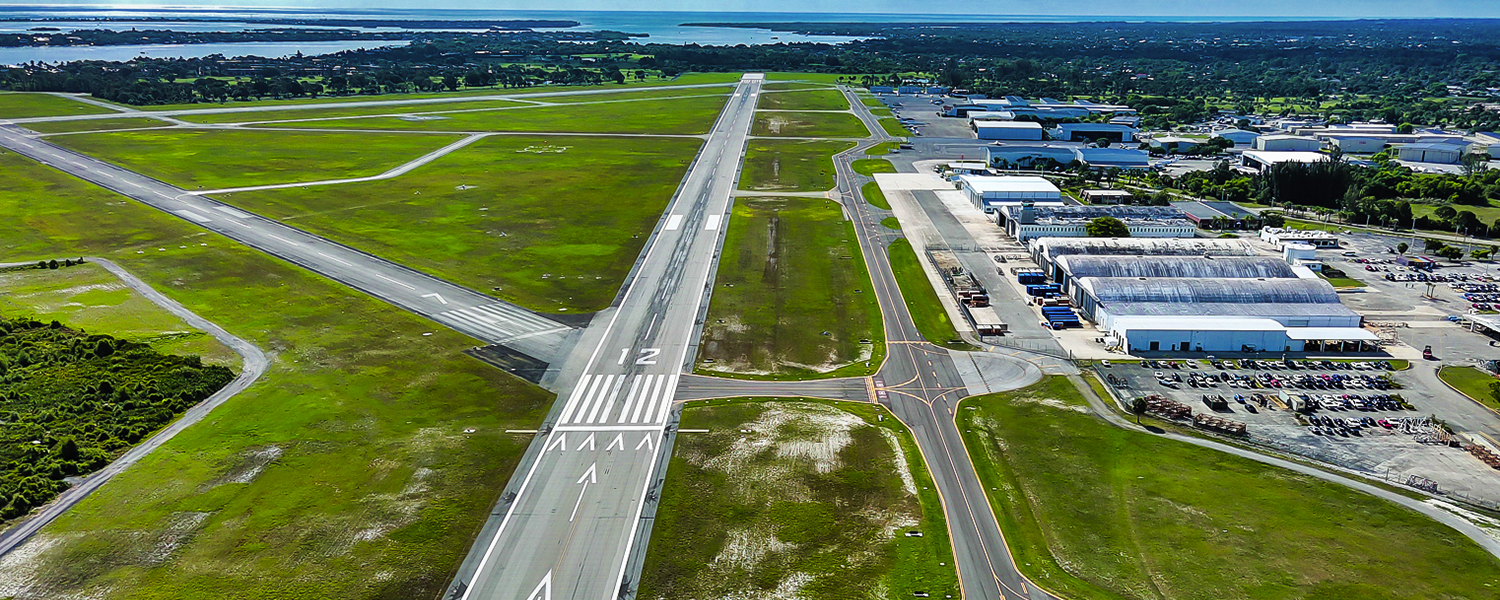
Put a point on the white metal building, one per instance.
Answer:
(1431, 153)
(1281, 238)
(1241, 138)
(1048, 251)
(988, 192)
(1008, 130)
(1088, 132)
(1029, 222)
(1288, 143)
(1138, 335)
(1259, 160)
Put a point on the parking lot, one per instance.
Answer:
(1356, 415)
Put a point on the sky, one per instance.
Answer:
(1131, 8)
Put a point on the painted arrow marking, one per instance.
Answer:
(588, 477)
(543, 590)
(439, 298)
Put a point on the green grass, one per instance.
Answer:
(921, 300)
(883, 112)
(1133, 515)
(790, 165)
(808, 124)
(1473, 382)
(367, 411)
(870, 101)
(23, 105)
(554, 231)
(821, 78)
(1342, 282)
(873, 195)
(326, 111)
(95, 125)
(871, 166)
(839, 526)
(804, 100)
(216, 158)
(686, 116)
(685, 79)
(891, 222)
(790, 272)
(1487, 213)
(882, 148)
(89, 298)
(892, 126)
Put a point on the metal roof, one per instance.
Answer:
(1109, 290)
(1083, 265)
(1268, 310)
(1054, 247)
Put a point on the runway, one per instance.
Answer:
(478, 315)
(570, 522)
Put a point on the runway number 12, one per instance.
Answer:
(647, 357)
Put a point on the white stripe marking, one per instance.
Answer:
(673, 222)
(232, 212)
(393, 281)
(282, 239)
(635, 417)
(610, 405)
(666, 401)
(334, 259)
(192, 216)
(589, 398)
(713, 223)
(629, 399)
(583, 382)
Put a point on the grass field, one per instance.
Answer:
(804, 100)
(891, 223)
(808, 124)
(553, 230)
(686, 116)
(1487, 213)
(23, 105)
(326, 111)
(819, 78)
(357, 467)
(89, 298)
(873, 195)
(882, 111)
(882, 149)
(893, 127)
(792, 298)
(790, 165)
(1342, 282)
(796, 499)
(871, 166)
(95, 125)
(1092, 511)
(1473, 382)
(684, 79)
(193, 158)
(921, 300)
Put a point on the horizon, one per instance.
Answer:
(1204, 9)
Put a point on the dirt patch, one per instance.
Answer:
(247, 465)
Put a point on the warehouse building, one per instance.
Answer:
(1070, 269)
(1259, 160)
(1008, 130)
(1027, 155)
(1113, 158)
(1221, 315)
(1240, 137)
(991, 193)
(1047, 251)
(1280, 237)
(1446, 154)
(1088, 132)
(1025, 222)
(1287, 143)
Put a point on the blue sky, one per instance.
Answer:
(1135, 8)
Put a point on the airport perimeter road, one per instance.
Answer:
(470, 312)
(569, 529)
(921, 384)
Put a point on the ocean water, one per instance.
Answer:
(661, 27)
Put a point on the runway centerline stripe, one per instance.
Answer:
(583, 382)
(393, 281)
(192, 216)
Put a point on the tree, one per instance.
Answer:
(1102, 142)
(1445, 213)
(1402, 247)
(1450, 252)
(1273, 219)
(1138, 408)
(1495, 390)
(1107, 227)
(1432, 245)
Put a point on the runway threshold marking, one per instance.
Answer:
(674, 222)
(713, 223)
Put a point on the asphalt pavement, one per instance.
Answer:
(574, 520)
(922, 385)
(478, 315)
